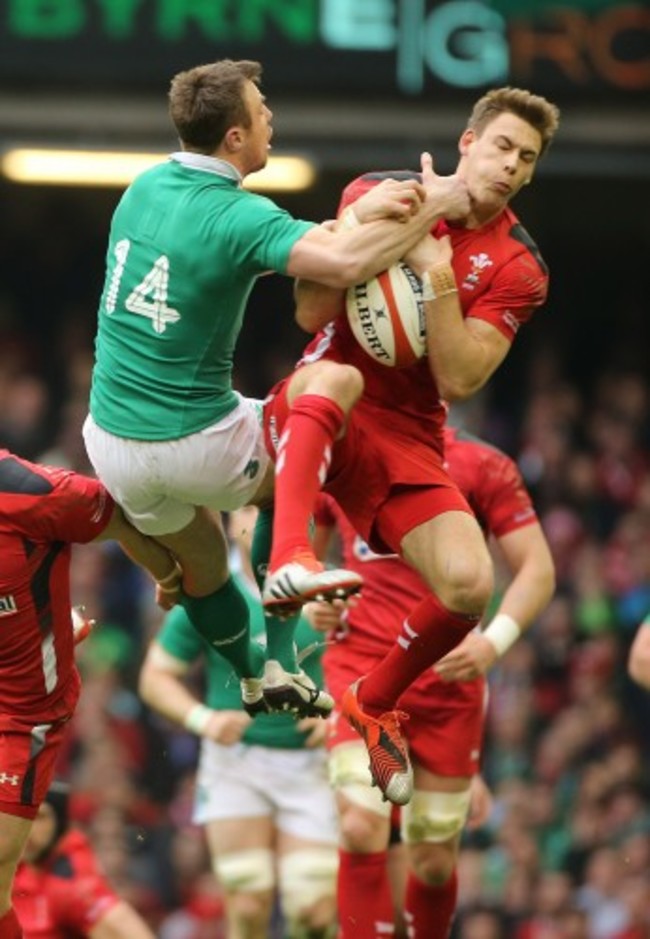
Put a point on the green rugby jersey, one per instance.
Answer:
(178, 637)
(186, 246)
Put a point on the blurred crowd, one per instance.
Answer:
(566, 851)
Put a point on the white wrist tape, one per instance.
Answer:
(428, 293)
(502, 632)
(197, 719)
(349, 219)
(169, 584)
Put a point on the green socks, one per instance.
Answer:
(223, 620)
(280, 644)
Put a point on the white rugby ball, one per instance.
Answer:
(386, 315)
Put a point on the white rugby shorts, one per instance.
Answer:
(159, 482)
(247, 781)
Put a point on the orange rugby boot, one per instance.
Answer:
(390, 766)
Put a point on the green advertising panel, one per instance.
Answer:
(400, 48)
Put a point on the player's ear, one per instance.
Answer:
(467, 137)
(233, 139)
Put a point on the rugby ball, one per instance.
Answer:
(386, 316)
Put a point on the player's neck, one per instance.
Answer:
(478, 218)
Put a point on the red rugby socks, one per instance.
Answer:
(364, 899)
(302, 462)
(427, 634)
(429, 909)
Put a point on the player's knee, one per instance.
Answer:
(307, 883)
(360, 804)
(470, 583)
(358, 824)
(248, 883)
(431, 826)
(433, 864)
(340, 382)
(246, 872)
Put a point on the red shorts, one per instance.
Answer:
(444, 729)
(28, 755)
(386, 479)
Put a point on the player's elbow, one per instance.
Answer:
(454, 388)
(311, 319)
(546, 577)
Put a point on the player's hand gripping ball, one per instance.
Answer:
(386, 315)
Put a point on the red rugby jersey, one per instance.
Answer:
(501, 279)
(494, 488)
(66, 896)
(43, 509)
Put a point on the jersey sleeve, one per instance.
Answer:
(516, 291)
(52, 504)
(261, 235)
(81, 508)
(178, 637)
(502, 501)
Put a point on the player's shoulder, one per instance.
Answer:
(522, 244)
(483, 462)
(460, 440)
(21, 477)
(362, 184)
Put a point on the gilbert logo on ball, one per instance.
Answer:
(386, 315)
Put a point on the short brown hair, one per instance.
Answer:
(535, 110)
(205, 101)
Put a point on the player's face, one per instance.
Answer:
(41, 833)
(257, 137)
(499, 162)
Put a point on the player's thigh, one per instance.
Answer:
(240, 833)
(303, 799)
(231, 785)
(13, 835)
(202, 549)
(334, 380)
(451, 554)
